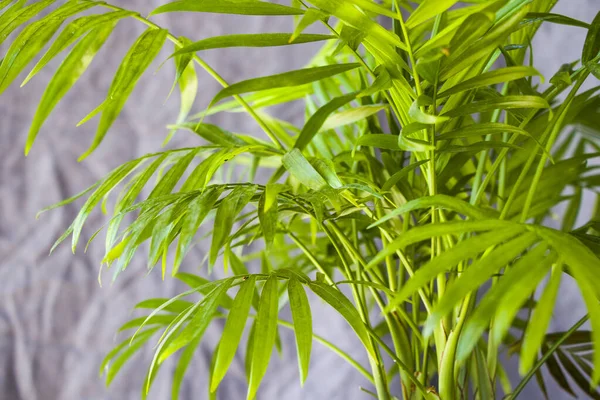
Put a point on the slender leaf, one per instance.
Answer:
(73, 31)
(65, 77)
(351, 116)
(301, 316)
(500, 103)
(286, 79)
(137, 60)
(241, 7)
(232, 332)
(539, 321)
(316, 121)
(447, 260)
(591, 47)
(251, 40)
(342, 305)
(428, 9)
(266, 332)
(32, 39)
(199, 321)
(227, 212)
(494, 77)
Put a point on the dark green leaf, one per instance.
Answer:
(554, 18)
(591, 47)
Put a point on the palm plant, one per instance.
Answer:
(424, 181)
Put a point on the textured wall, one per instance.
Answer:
(56, 323)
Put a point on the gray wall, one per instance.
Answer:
(56, 323)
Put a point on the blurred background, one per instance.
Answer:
(56, 322)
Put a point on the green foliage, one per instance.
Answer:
(427, 175)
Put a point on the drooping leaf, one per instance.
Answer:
(268, 219)
(227, 213)
(73, 31)
(539, 321)
(103, 189)
(18, 14)
(554, 18)
(264, 334)
(65, 77)
(186, 78)
(137, 60)
(232, 332)
(199, 321)
(182, 365)
(342, 305)
(581, 262)
(32, 39)
(302, 318)
(197, 212)
(116, 359)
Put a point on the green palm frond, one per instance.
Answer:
(426, 175)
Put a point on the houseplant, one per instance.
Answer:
(416, 200)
